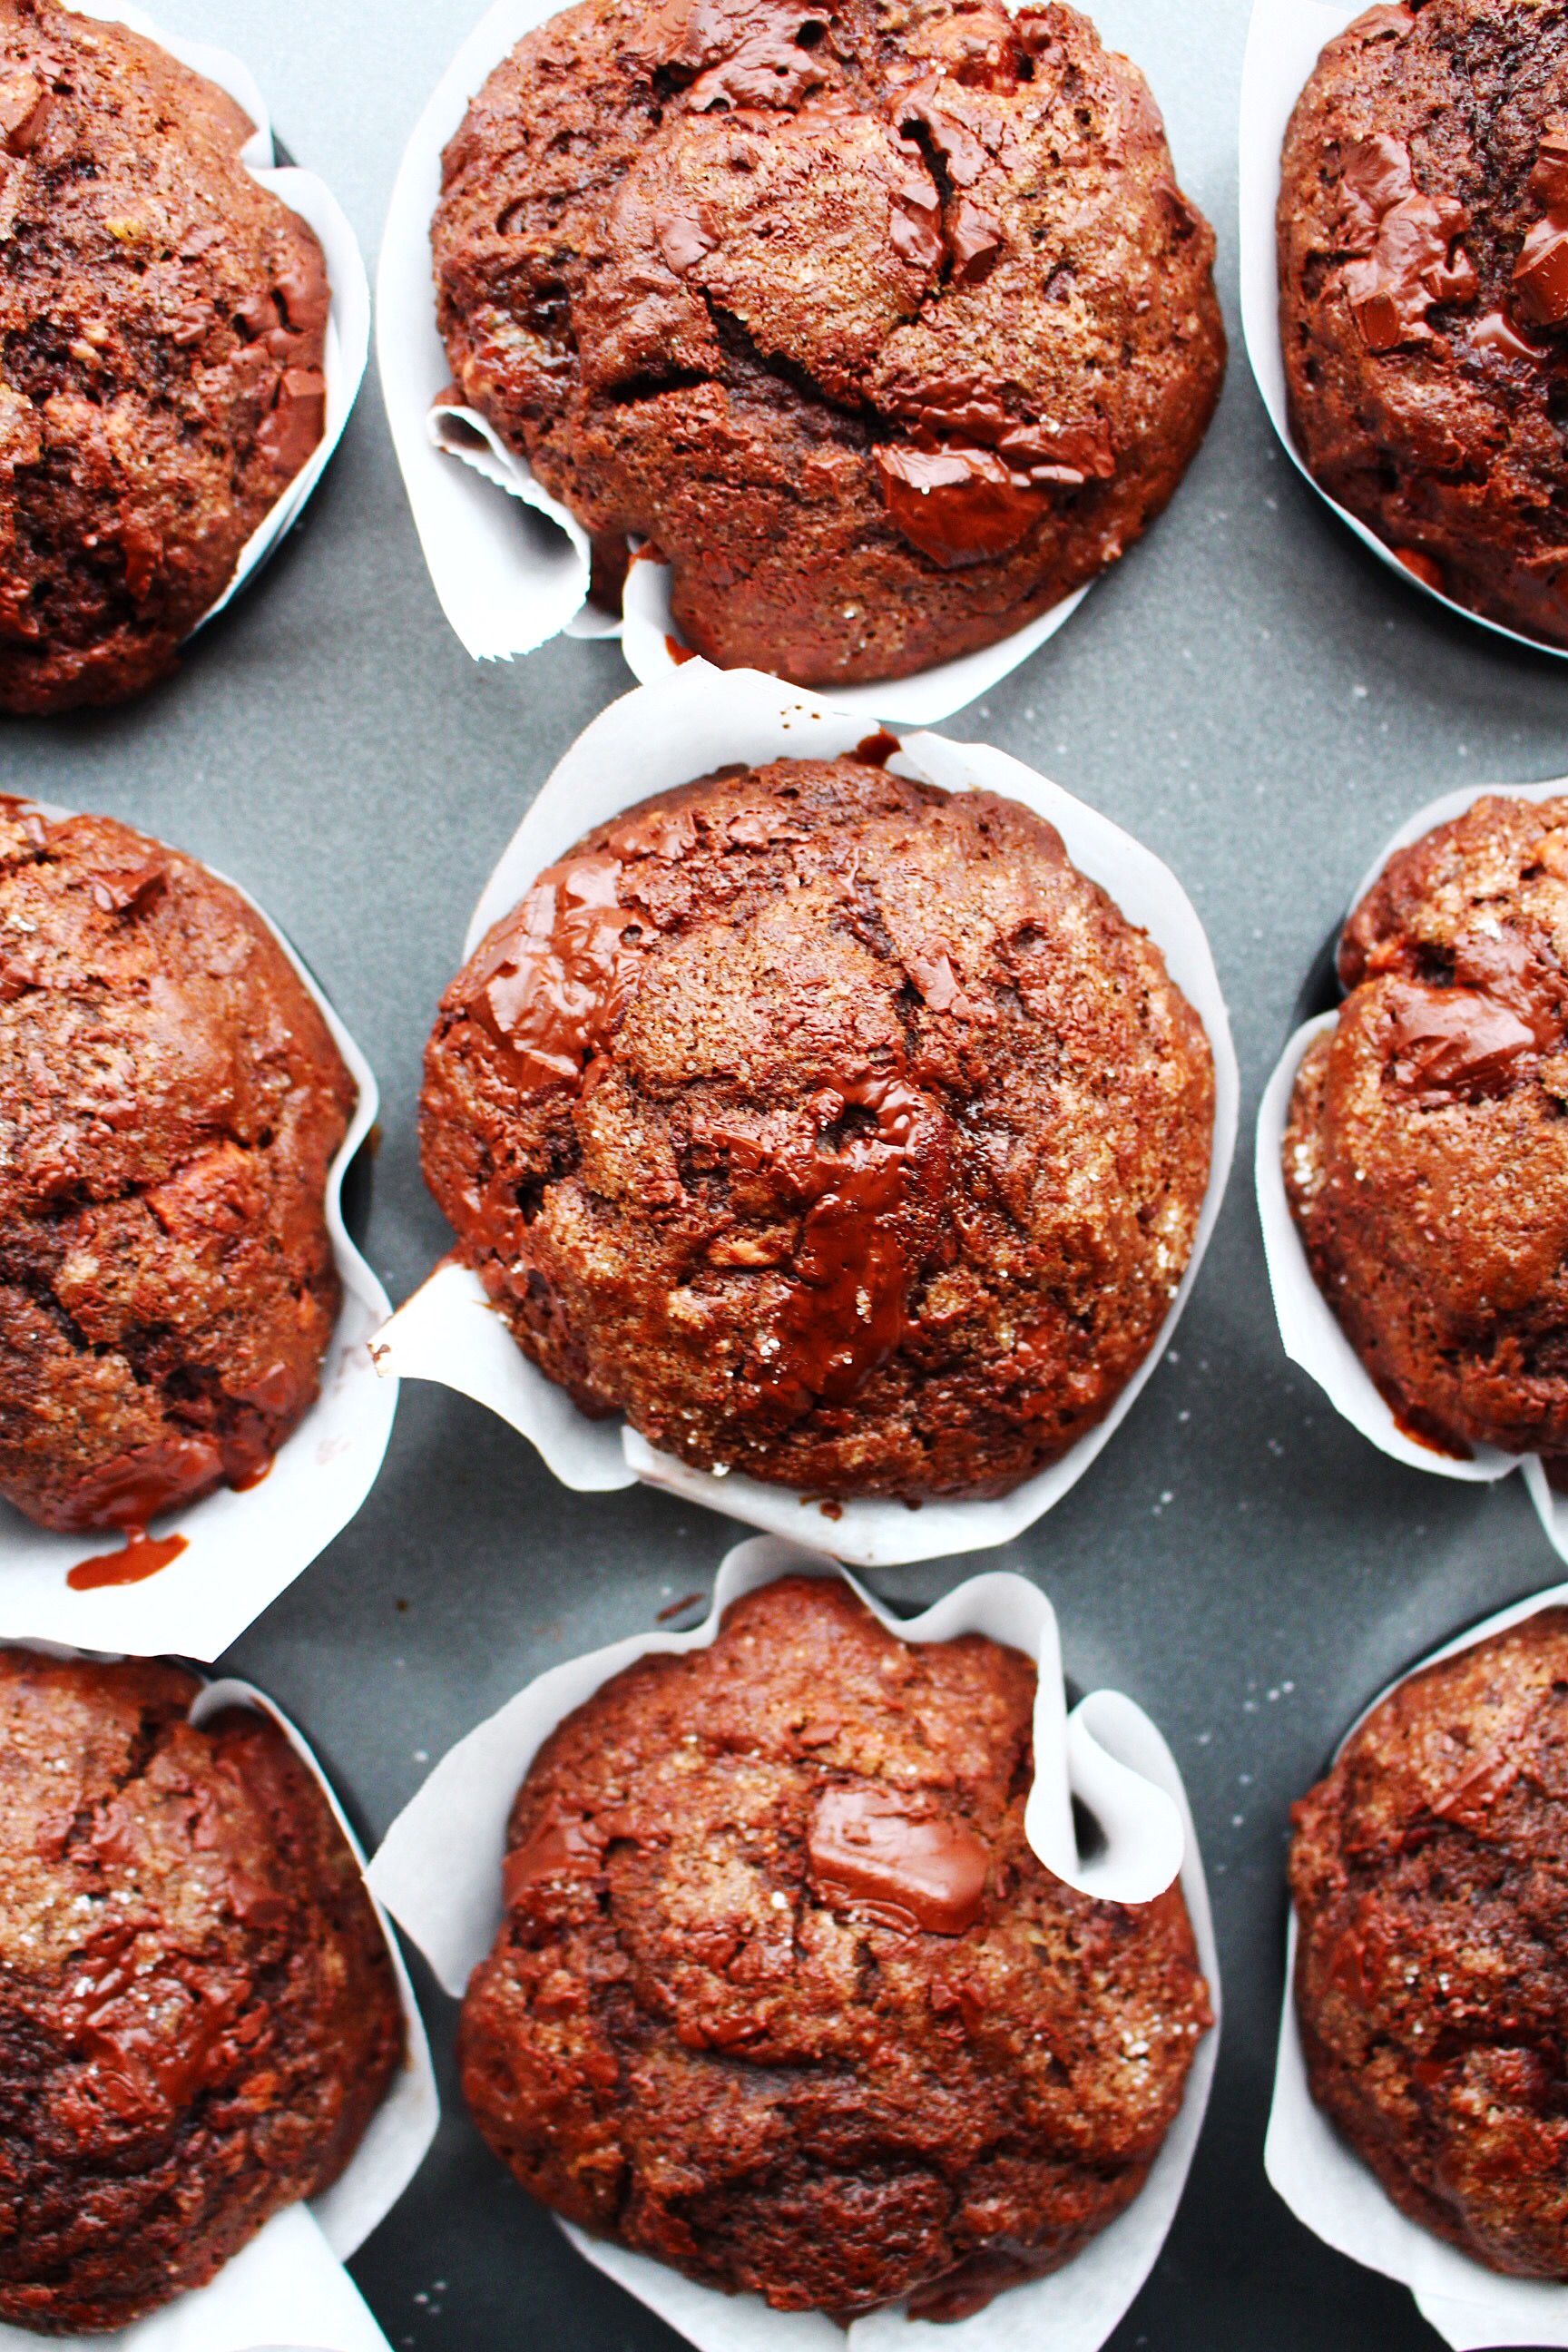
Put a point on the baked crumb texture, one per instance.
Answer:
(1427, 1152)
(198, 2016)
(171, 1101)
(782, 1997)
(163, 321)
(887, 324)
(831, 1127)
(1430, 1979)
(1422, 234)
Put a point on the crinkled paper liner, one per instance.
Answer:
(1283, 44)
(508, 581)
(440, 1874)
(664, 735)
(1312, 1335)
(1340, 2200)
(348, 320)
(242, 1549)
(289, 2287)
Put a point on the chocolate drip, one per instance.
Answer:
(844, 1314)
(893, 1858)
(140, 1556)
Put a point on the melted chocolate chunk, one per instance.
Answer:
(960, 133)
(1494, 331)
(1405, 243)
(1487, 1032)
(845, 1314)
(563, 1846)
(974, 240)
(888, 1856)
(553, 979)
(957, 505)
(1541, 273)
(1455, 1042)
(760, 52)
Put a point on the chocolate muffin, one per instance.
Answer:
(784, 1997)
(1432, 1969)
(1426, 1151)
(170, 1099)
(830, 1126)
(1424, 294)
(885, 320)
(162, 320)
(198, 2016)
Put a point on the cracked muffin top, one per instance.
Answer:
(1422, 232)
(1432, 1967)
(162, 320)
(885, 320)
(1426, 1155)
(197, 2008)
(171, 1100)
(832, 1128)
(782, 1995)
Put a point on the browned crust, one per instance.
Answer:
(679, 2040)
(198, 2014)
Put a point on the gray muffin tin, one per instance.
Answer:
(1251, 695)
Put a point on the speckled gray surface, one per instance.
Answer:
(1252, 695)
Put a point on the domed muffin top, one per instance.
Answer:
(887, 322)
(170, 1099)
(1427, 1153)
(1432, 1971)
(833, 1128)
(197, 2008)
(784, 1997)
(162, 322)
(1423, 292)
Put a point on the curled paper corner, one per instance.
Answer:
(242, 1549)
(1285, 39)
(505, 593)
(659, 736)
(463, 433)
(1308, 1330)
(286, 2286)
(438, 1870)
(1332, 2193)
(347, 345)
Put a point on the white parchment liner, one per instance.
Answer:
(1283, 42)
(1312, 1335)
(506, 581)
(1340, 2200)
(438, 1871)
(348, 320)
(242, 1549)
(288, 2287)
(664, 735)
